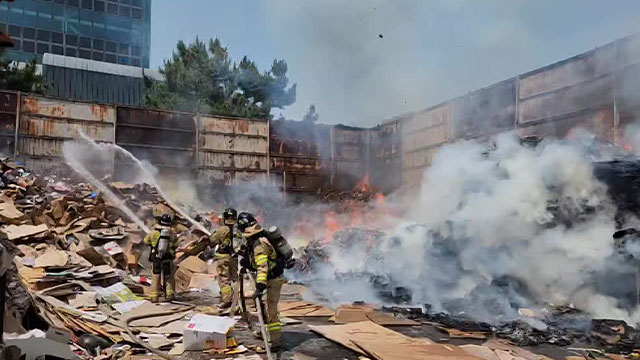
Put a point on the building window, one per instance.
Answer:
(136, 13)
(58, 50)
(98, 6)
(44, 35)
(75, 3)
(127, 2)
(98, 55)
(29, 46)
(57, 38)
(87, 4)
(125, 11)
(29, 33)
(110, 58)
(71, 40)
(59, 1)
(16, 44)
(111, 46)
(136, 51)
(85, 42)
(135, 62)
(123, 49)
(71, 52)
(112, 9)
(14, 30)
(85, 54)
(124, 60)
(137, 3)
(98, 44)
(42, 48)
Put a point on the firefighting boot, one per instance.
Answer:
(155, 288)
(170, 286)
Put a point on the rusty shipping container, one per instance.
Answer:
(46, 124)
(232, 150)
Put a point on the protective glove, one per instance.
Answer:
(260, 288)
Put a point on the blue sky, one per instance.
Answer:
(430, 50)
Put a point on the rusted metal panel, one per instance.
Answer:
(385, 156)
(8, 109)
(231, 150)
(55, 108)
(486, 111)
(628, 51)
(233, 143)
(583, 67)
(233, 126)
(598, 122)
(300, 155)
(587, 95)
(164, 139)
(438, 116)
(46, 124)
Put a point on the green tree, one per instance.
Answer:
(311, 116)
(201, 77)
(20, 78)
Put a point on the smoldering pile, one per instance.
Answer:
(516, 241)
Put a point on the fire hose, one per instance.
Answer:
(263, 332)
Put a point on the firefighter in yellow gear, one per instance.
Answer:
(260, 256)
(163, 242)
(226, 258)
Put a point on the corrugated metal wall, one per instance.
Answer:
(167, 140)
(350, 156)
(76, 84)
(232, 150)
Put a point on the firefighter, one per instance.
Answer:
(260, 256)
(163, 242)
(226, 258)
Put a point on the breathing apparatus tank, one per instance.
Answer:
(281, 246)
(163, 243)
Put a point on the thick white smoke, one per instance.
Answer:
(492, 231)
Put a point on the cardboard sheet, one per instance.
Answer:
(201, 281)
(303, 308)
(459, 334)
(382, 349)
(15, 232)
(50, 258)
(364, 331)
(194, 264)
(9, 211)
(514, 350)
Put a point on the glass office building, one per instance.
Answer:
(114, 31)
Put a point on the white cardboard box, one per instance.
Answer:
(206, 332)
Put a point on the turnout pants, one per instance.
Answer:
(270, 299)
(167, 268)
(227, 269)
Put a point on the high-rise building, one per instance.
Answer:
(114, 31)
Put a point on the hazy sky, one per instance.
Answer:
(430, 50)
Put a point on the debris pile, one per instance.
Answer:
(79, 267)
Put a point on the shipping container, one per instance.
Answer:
(8, 119)
(385, 156)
